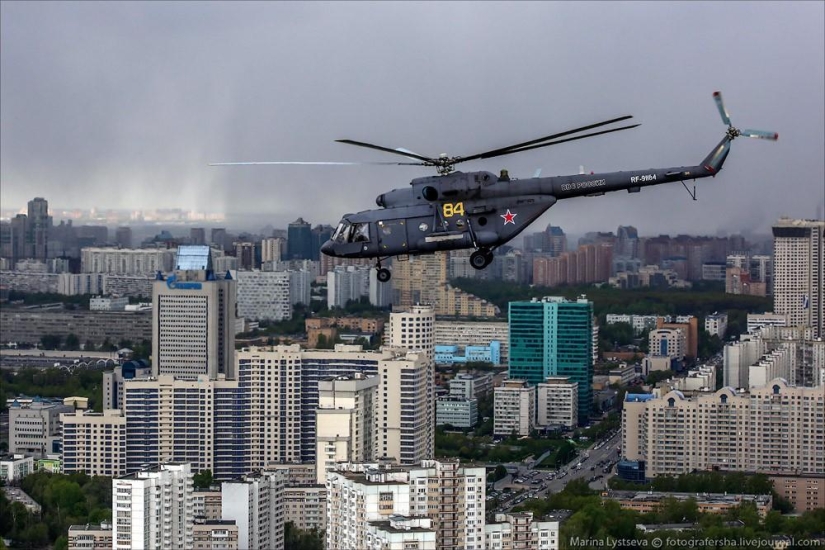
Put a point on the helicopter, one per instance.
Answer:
(482, 211)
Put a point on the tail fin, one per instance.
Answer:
(716, 158)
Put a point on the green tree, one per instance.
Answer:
(50, 341)
(72, 342)
(203, 479)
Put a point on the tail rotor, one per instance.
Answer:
(735, 132)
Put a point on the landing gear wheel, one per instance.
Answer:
(480, 259)
(383, 274)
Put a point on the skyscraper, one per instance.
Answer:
(299, 241)
(39, 224)
(197, 235)
(193, 323)
(553, 337)
(123, 237)
(799, 272)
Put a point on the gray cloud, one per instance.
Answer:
(122, 105)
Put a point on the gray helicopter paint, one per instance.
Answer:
(409, 223)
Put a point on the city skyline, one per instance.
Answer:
(131, 101)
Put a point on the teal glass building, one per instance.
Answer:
(553, 337)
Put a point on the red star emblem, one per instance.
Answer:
(509, 217)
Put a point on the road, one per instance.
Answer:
(538, 483)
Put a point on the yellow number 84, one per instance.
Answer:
(453, 209)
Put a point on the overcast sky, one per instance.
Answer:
(122, 105)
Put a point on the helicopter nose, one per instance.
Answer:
(327, 247)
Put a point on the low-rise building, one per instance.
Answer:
(34, 427)
(458, 412)
(91, 537)
(15, 467)
(104, 303)
(805, 493)
(646, 502)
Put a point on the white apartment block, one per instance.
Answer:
(458, 412)
(774, 364)
(737, 359)
(153, 509)
(717, 324)
(668, 342)
(451, 496)
(90, 537)
(380, 293)
(124, 261)
(15, 467)
(263, 295)
(400, 533)
(471, 386)
(514, 408)
(34, 427)
(74, 284)
(557, 403)
(256, 505)
(791, 353)
(345, 421)
(519, 530)
(406, 409)
(759, 320)
(105, 303)
(347, 283)
(300, 287)
(799, 272)
(467, 333)
(412, 329)
(702, 378)
(773, 429)
(272, 249)
(94, 443)
(640, 323)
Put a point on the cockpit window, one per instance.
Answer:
(361, 232)
(336, 237)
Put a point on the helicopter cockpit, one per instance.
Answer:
(348, 232)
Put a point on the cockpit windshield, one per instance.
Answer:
(347, 232)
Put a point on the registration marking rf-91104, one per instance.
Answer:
(582, 185)
(646, 177)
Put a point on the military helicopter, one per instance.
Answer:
(479, 210)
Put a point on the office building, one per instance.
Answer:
(668, 342)
(123, 237)
(458, 412)
(299, 241)
(689, 325)
(345, 421)
(264, 295)
(193, 318)
(799, 272)
(217, 238)
(450, 495)
(38, 226)
(152, 509)
(34, 427)
(256, 505)
(557, 403)
(94, 443)
(775, 429)
(197, 236)
(471, 386)
(553, 337)
(514, 408)
(759, 320)
(520, 530)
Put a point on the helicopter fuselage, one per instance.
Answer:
(479, 209)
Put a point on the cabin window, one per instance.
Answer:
(361, 233)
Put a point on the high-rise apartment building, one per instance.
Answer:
(125, 261)
(553, 337)
(776, 428)
(193, 318)
(345, 421)
(94, 443)
(345, 284)
(362, 497)
(273, 249)
(264, 295)
(799, 272)
(152, 509)
(413, 329)
(256, 505)
(557, 403)
(514, 408)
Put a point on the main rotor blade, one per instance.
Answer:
(574, 138)
(318, 163)
(761, 134)
(407, 154)
(512, 148)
